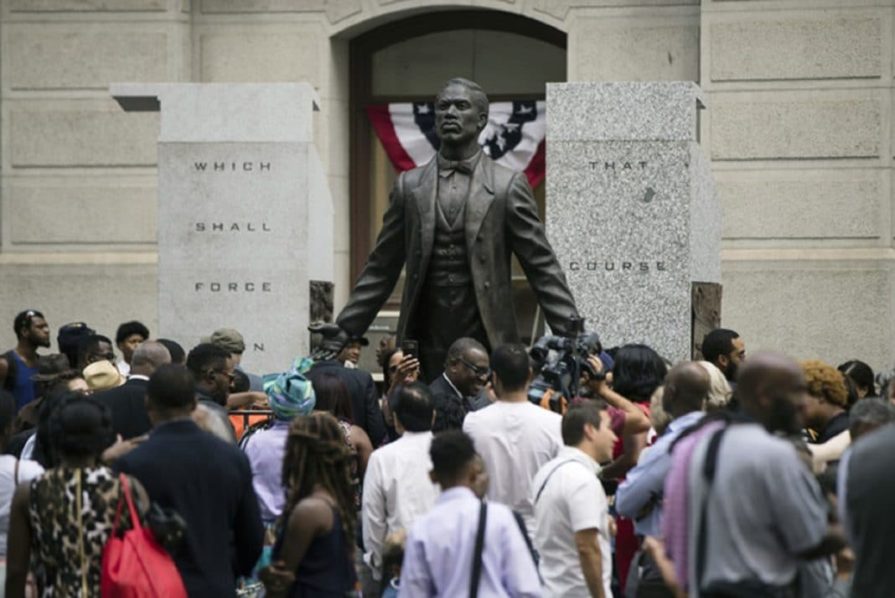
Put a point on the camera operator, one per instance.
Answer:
(627, 417)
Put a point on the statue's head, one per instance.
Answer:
(461, 111)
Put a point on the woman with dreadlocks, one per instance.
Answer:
(316, 540)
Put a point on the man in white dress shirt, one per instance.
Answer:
(513, 436)
(397, 487)
(442, 546)
(571, 511)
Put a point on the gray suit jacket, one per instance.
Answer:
(501, 220)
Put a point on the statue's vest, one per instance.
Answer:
(448, 265)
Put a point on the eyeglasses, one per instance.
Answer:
(479, 371)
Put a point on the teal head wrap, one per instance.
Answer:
(289, 394)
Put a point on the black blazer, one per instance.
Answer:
(209, 482)
(364, 400)
(442, 392)
(501, 221)
(128, 405)
(440, 387)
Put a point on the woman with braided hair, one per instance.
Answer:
(315, 549)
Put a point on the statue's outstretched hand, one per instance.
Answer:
(334, 339)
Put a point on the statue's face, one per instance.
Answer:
(457, 118)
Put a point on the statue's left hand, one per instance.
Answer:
(334, 337)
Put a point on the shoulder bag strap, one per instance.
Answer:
(81, 550)
(477, 553)
(127, 497)
(550, 475)
(709, 468)
(15, 474)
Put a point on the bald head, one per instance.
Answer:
(770, 388)
(460, 347)
(686, 388)
(148, 356)
(763, 371)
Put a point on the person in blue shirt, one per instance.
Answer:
(639, 497)
(17, 366)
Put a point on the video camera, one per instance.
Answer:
(561, 361)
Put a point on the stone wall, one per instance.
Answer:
(799, 130)
(798, 126)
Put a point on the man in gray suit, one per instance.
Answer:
(455, 222)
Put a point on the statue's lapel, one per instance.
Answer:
(424, 196)
(481, 196)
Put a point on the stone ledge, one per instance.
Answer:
(871, 254)
(16, 258)
(25, 6)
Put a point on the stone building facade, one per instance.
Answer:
(798, 127)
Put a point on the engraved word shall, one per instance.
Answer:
(234, 227)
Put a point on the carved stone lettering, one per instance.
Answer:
(614, 266)
(237, 227)
(232, 287)
(232, 166)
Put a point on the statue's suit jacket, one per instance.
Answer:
(501, 220)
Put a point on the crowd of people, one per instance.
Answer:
(727, 477)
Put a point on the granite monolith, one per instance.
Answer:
(632, 211)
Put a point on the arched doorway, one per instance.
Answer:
(511, 56)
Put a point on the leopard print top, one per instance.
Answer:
(355, 464)
(55, 541)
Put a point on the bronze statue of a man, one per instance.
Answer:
(454, 223)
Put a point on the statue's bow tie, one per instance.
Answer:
(446, 167)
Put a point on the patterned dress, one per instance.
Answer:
(355, 464)
(67, 548)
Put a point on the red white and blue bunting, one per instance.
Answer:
(514, 136)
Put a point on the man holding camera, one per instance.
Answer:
(455, 223)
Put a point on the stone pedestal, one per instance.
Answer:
(631, 209)
(244, 215)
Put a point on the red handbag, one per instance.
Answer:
(135, 565)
